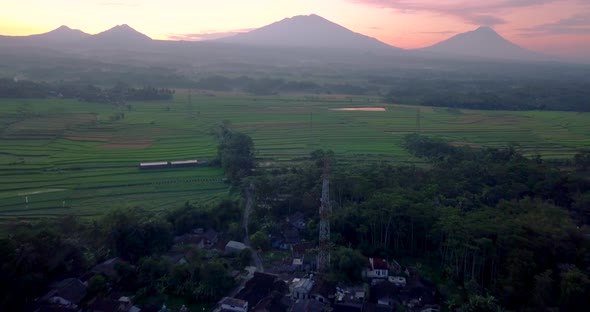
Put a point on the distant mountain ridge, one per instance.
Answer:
(122, 34)
(484, 42)
(308, 31)
(63, 33)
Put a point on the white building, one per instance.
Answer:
(233, 304)
(233, 247)
(377, 268)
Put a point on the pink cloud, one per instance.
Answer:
(474, 12)
(575, 24)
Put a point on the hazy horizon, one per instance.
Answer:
(548, 26)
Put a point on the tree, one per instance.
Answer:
(543, 292)
(574, 289)
(152, 274)
(479, 303)
(97, 285)
(133, 233)
(260, 240)
(347, 265)
(215, 280)
(236, 154)
(245, 257)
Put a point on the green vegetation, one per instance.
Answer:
(34, 257)
(494, 228)
(70, 157)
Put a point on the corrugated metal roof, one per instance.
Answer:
(158, 163)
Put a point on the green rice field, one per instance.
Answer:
(61, 157)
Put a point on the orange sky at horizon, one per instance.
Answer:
(560, 27)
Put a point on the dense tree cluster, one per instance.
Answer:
(498, 228)
(35, 256)
(120, 93)
(273, 86)
(235, 152)
(492, 93)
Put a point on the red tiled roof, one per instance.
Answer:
(380, 264)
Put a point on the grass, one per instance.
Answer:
(70, 157)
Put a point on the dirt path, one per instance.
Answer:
(245, 222)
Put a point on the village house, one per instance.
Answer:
(377, 268)
(190, 239)
(108, 268)
(349, 299)
(233, 247)
(297, 220)
(210, 238)
(309, 305)
(417, 294)
(301, 288)
(386, 293)
(260, 287)
(398, 281)
(323, 291)
(67, 293)
(233, 304)
(110, 304)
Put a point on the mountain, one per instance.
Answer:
(308, 31)
(121, 34)
(483, 42)
(63, 33)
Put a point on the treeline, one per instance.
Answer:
(484, 223)
(10, 88)
(482, 93)
(36, 255)
(490, 94)
(273, 86)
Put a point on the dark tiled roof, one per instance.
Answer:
(308, 305)
(292, 235)
(54, 308)
(301, 249)
(324, 288)
(257, 288)
(371, 307)
(71, 289)
(385, 289)
(269, 304)
(210, 235)
(107, 267)
(192, 239)
(297, 220)
(105, 305)
(347, 307)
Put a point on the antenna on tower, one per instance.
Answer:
(418, 120)
(325, 212)
(310, 129)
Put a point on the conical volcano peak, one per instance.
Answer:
(308, 31)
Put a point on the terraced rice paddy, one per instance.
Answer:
(70, 157)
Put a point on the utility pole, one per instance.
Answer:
(418, 120)
(325, 212)
(310, 130)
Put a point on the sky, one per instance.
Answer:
(559, 27)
